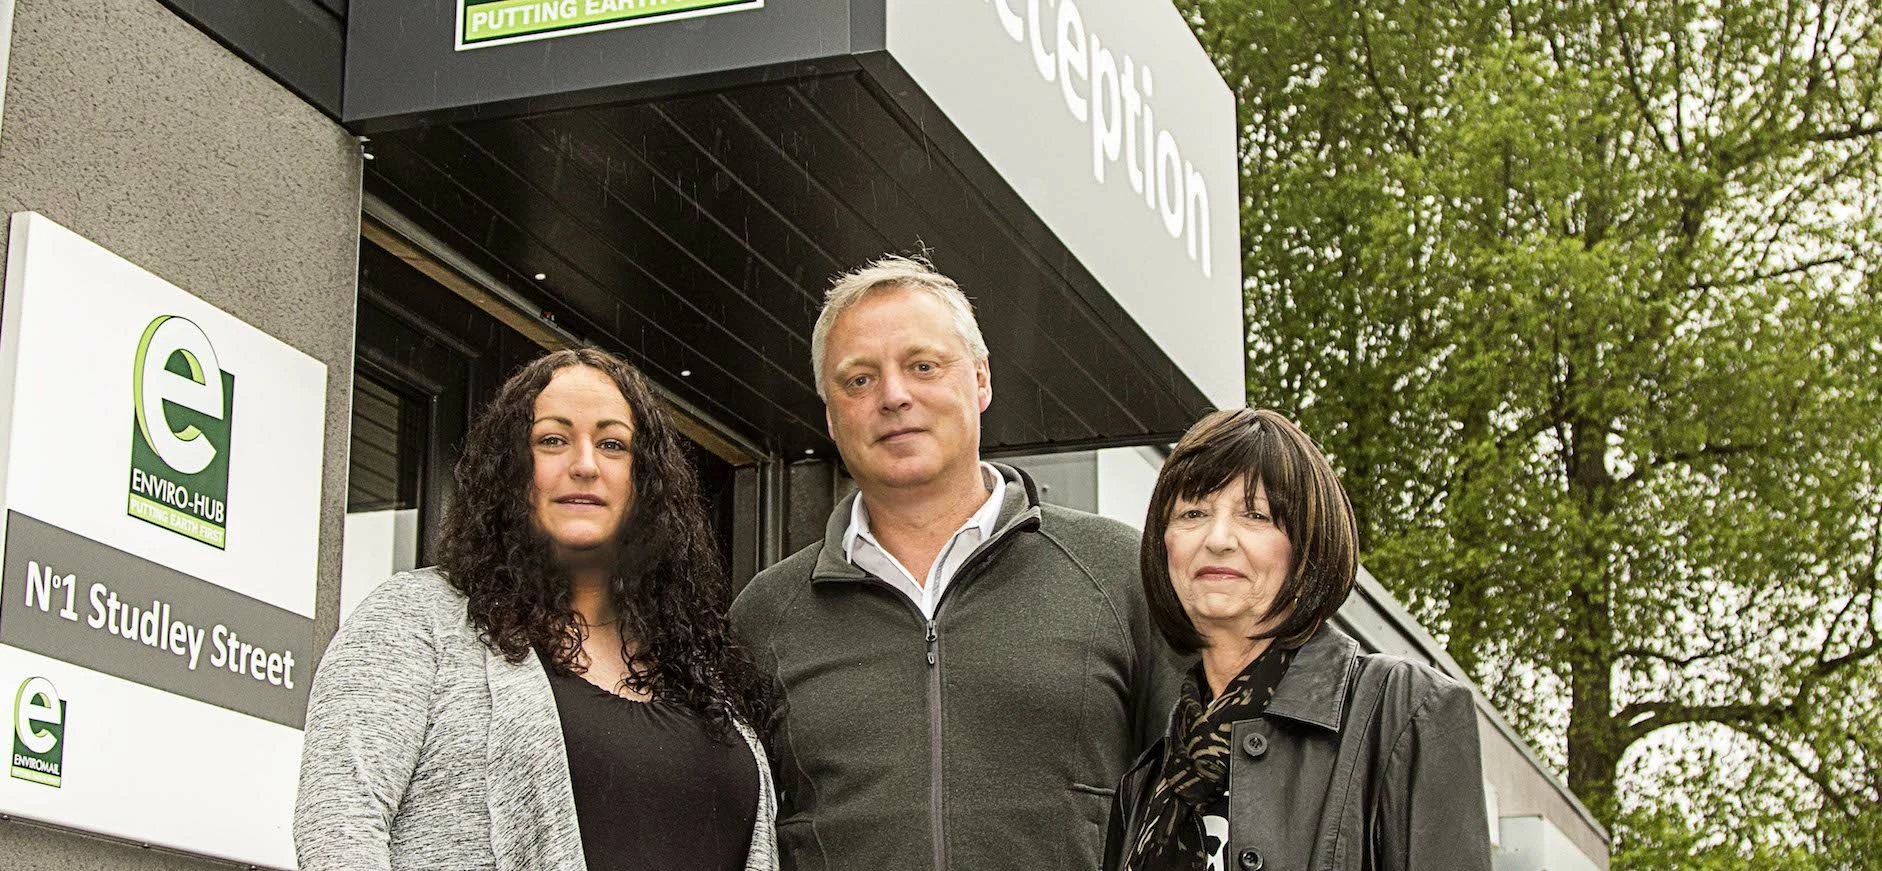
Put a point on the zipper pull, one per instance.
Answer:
(931, 641)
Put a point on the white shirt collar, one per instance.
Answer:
(985, 520)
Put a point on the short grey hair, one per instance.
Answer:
(888, 272)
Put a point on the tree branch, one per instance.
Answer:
(1641, 719)
(1813, 774)
(1681, 661)
(1790, 270)
(1826, 667)
(1844, 134)
(1378, 85)
(1633, 78)
(1680, 36)
(1708, 451)
(1868, 575)
(1776, 229)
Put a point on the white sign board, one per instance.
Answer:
(161, 484)
(1114, 127)
(6, 48)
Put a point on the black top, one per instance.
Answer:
(1215, 834)
(652, 788)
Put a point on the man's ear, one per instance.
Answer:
(983, 383)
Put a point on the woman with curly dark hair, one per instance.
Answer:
(561, 692)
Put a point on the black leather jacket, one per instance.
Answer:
(1362, 762)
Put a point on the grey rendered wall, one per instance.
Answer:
(1523, 791)
(139, 132)
(1069, 479)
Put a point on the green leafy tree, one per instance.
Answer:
(1585, 299)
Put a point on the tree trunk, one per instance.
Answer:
(1594, 745)
(1594, 737)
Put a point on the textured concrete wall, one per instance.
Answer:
(139, 132)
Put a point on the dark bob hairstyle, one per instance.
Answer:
(1261, 448)
(668, 585)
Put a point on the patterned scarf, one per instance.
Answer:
(1196, 763)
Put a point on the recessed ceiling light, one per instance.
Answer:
(810, 450)
(541, 275)
(686, 373)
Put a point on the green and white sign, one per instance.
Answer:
(180, 453)
(38, 732)
(494, 22)
(160, 483)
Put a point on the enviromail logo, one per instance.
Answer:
(184, 406)
(38, 732)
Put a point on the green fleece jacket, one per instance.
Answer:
(990, 738)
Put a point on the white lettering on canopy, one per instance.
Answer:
(1115, 100)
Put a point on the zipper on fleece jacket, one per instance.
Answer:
(962, 575)
(934, 745)
(933, 638)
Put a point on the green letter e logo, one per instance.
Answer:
(184, 416)
(153, 384)
(38, 732)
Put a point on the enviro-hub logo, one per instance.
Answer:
(38, 732)
(184, 411)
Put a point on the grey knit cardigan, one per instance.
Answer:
(426, 750)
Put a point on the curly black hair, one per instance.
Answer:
(669, 586)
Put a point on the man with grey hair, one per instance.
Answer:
(966, 671)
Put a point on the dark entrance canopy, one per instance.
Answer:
(686, 190)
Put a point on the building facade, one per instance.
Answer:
(417, 195)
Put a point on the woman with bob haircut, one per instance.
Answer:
(1288, 747)
(561, 692)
